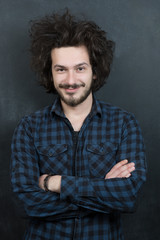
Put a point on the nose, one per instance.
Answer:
(71, 78)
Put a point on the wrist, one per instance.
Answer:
(46, 182)
(54, 183)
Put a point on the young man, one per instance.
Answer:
(76, 165)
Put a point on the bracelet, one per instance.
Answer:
(45, 184)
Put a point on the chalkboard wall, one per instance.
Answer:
(134, 84)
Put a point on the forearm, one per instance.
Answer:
(37, 202)
(102, 195)
(117, 191)
(25, 175)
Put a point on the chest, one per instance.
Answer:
(92, 153)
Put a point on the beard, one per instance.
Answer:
(70, 99)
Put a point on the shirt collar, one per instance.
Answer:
(57, 108)
(96, 108)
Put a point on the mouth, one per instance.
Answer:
(71, 88)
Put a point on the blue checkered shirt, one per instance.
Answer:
(88, 207)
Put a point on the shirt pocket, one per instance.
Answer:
(53, 159)
(101, 157)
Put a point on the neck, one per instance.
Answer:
(76, 115)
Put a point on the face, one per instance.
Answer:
(72, 74)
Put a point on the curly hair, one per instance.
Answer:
(63, 30)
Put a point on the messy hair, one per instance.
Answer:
(64, 30)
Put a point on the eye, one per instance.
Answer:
(80, 69)
(60, 70)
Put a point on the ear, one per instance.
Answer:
(94, 76)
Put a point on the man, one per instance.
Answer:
(76, 165)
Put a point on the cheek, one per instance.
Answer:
(89, 79)
(56, 80)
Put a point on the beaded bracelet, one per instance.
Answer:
(45, 184)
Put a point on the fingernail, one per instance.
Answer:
(128, 175)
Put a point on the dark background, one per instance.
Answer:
(134, 84)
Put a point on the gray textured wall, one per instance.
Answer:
(134, 84)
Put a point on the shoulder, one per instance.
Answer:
(112, 110)
(36, 117)
(119, 117)
(41, 113)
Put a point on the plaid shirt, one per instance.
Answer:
(88, 206)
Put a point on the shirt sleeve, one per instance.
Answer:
(107, 195)
(25, 175)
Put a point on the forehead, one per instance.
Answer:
(69, 55)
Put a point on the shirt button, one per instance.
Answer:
(50, 153)
(101, 149)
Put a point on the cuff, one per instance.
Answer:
(74, 187)
(68, 187)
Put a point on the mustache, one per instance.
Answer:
(73, 86)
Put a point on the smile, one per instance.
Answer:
(73, 86)
(71, 90)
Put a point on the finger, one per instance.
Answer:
(118, 165)
(126, 169)
(126, 173)
(117, 172)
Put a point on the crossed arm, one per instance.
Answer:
(117, 191)
(122, 169)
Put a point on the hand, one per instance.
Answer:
(54, 183)
(122, 169)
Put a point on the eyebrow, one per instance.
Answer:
(77, 65)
